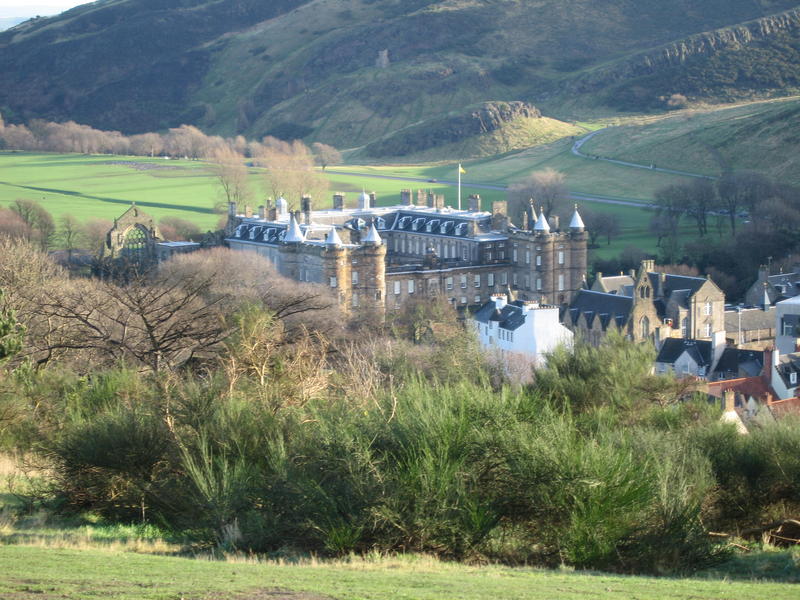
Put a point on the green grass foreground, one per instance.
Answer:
(30, 572)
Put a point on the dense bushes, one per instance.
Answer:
(463, 469)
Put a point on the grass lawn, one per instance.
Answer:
(46, 573)
(104, 186)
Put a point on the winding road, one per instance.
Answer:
(576, 151)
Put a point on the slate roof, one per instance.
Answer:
(618, 284)
(510, 317)
(674, 283)
(599, 305)
(673, 348)
(786, 284)
(752, 318)
(735, 359)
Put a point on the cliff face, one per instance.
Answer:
(699, 46)
(483, 119)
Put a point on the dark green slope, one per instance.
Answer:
(309, 68)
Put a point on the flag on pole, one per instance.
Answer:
(461, 169)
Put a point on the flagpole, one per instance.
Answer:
(459, 186)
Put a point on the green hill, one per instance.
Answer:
(351, 72)
(756, 137)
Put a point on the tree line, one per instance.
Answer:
(742, 220)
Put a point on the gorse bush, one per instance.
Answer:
(576, 468)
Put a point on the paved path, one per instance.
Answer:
(580, 197)
(576, 150)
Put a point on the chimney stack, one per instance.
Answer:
(373, 200)
(406, 199)
(421, 197)
(438, 201)
(338, 201)
(474, 203)
(272, 214)
(262, 212)
(306, 205)
(248, 211)
(729, 400)
(231, 209)
(554, 222)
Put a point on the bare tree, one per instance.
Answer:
(231, 173)
(147, 144)
(607, 225)
(326, 155)
(290, 170)
(151, 322)
(71, 234)
(37, 218)
(545, 188)
(175, 229)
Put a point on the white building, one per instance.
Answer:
(520, 330)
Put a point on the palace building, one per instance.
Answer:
(379, 257)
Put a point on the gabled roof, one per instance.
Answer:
(673, 348)
(606, 306)
(678, 287)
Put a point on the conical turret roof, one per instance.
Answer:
(541, 223)
(294, 235)
(333, 238)
(372, 237)
(577, 222)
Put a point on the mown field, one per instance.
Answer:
(101, 186)
(45, 574)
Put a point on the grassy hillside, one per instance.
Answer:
(313, 68)
(759, 137)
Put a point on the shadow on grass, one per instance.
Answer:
(775, 564)
(74, 194)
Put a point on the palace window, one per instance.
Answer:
(477, 281)
(354, 277)
(333, 282)
(538, 260)
(527, 257)
(561, 283)
(503, 278)
(463, 282)
(707, 309)
(449, 283)
(396, 288)
(490, 280)
(561, 257)
(410, 286)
